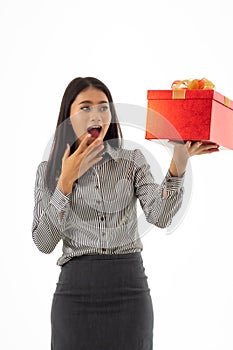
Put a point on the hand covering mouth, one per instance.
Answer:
(94, 130)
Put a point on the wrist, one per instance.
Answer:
(64, 186)
(177, 169)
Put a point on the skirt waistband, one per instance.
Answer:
(136, 255)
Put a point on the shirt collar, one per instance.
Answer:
(113, 152)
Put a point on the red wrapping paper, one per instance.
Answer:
(195, 115)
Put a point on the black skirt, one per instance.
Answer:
(102, 302)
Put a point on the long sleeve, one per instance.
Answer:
(159, 209)
(50, 213)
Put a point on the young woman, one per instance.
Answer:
(86, 196)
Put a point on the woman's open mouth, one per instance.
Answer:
(94, 131)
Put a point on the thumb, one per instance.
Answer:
(67, 151)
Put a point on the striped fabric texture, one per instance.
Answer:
(99, 216)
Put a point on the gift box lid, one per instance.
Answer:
(181, 94)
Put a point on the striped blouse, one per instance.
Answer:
(99, 216)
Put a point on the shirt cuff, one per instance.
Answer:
(174, 182)
(59, 200)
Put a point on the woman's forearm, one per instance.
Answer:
(177, 168)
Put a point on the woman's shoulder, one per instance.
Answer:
(42, 166)
(130, 152)
(41, 170)
(134, 155)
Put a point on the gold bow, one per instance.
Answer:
(195, 84)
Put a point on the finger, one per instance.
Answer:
(196, 148)
(209, 151)
(206, 143)
(83, 144)
(87, 163)
(94, 161)
(93, 152)
(209, 146)
(67, 152)
(196, 144)
(85, 147)
(94, 147)
(210, 143)
(205, 149)
(188, 144)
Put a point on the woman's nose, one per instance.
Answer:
(95, 116)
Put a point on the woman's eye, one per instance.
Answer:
(103, 108)
(86, 108)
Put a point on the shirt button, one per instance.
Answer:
(102, 218)
(96, 186)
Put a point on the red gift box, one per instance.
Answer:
(183, 114)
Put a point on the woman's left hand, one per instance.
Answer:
(182, 152)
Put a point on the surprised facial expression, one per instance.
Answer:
(90, 113)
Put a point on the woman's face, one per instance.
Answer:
(90, 113)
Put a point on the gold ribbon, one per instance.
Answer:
(227, 101)
(195, 84)
(178, 94)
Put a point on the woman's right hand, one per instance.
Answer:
(74, 166)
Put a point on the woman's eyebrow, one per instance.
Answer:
(88, 101)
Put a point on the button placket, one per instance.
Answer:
(102, 232)
(97, 188)
(102, 226)
(101, 214)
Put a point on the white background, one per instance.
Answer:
(132, 46)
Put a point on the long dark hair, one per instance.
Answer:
(64, 132)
